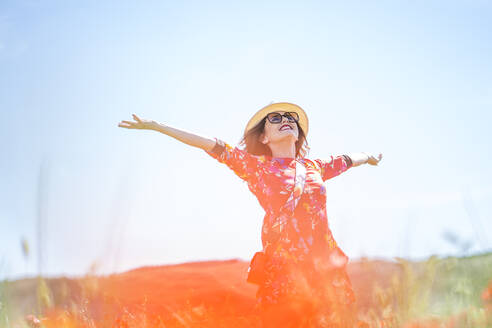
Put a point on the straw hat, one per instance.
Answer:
(281, 106)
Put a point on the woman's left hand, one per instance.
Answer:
(374, 159)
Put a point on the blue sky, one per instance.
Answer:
(412, 80)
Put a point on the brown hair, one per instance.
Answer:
(252, 143)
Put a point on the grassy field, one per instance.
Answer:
(438, 292)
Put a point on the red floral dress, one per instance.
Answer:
(305, 266)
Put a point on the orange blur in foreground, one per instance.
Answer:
(201, 294)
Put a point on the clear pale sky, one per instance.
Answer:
(409, 79)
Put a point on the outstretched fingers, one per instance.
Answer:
(131, 124)
(137, 118)
(126, 124)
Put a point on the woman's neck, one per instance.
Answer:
(283, 149)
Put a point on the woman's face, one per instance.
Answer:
(275, 132)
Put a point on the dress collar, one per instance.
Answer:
(283, 160)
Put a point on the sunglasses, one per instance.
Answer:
(276, 118)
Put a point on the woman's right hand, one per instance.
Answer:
(188, 138)
(138, 124)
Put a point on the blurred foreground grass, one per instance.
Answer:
(438, 292)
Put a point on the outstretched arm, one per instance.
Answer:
(188, 138)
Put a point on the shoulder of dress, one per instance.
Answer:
(258, 160)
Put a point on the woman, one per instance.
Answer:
(305, 282)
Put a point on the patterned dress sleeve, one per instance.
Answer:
(333, 166)
(238, 160)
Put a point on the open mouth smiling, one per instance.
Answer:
(285, 127)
